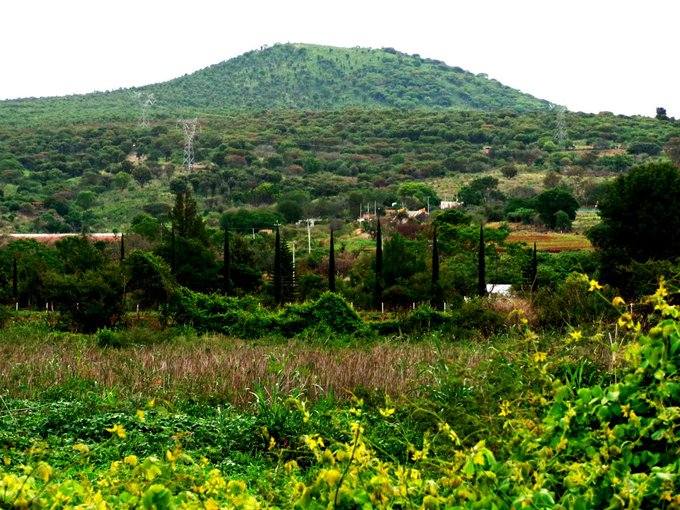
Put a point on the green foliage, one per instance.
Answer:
(480, 191)
(244, 317)
(555, 200)
(290, 76)
(132, 337)
(417, 195)
(525, 427)
(90, 299)
(148, 277)
(637, 229)
(363, 157)
(571, 303)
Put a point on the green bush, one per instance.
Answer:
(130, 337)
(246, 318)
(571, 303)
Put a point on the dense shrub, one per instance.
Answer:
(570, 303)
(245, 317)
(90, 300)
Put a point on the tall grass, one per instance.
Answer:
(212, 367)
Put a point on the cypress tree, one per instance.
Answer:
(173, 255)
(122, 247)
(15, 279)
(481, 261)
(378, 290)
(534, 269)
(331, 265)
(226, 264)
(278, 277)
(436, 288)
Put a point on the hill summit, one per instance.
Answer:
(319, 77)
(290, 76)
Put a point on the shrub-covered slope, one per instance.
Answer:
(294, 76)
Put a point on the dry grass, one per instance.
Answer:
(553, 242)
(213, 367)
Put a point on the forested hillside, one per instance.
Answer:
(295, 76)
(312, 164)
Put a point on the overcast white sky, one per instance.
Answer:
(590, 55)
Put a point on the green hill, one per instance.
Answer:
(291, 76)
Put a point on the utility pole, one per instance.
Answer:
(309, 236)
(189, 127)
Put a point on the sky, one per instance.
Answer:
(595, 55)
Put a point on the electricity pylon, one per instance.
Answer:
(189, 127)
(146, 100)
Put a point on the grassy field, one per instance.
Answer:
(175, 419)
(553, 242)
(448, 187)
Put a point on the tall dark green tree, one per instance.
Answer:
(226, 262)
(534, 270)
(640, 222)
(188, 224)
(278, 268)
(481, 264)
(378, 287)
(436, 291)
(331, 264)
(173, 250)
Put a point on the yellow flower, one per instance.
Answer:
(330, 476)
(540, 356)
(211, 504)
(290, 466)
(131, 460)
(505, 409)
(618, 301)
(386, 413)
(446, 429)
(272, 443)
(575, 336)
(313, 442)
(44, 471)
(594, 285)
(478, 458)
(141, 415)
(81, 448)
(118, 430)
(562, 444)
(626, 321)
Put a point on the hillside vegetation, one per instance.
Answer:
(101, 175)
(290, 76)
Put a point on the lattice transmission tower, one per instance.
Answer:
(146, 101)
(189, 127)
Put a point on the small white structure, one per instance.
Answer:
(450, 204)
(498, 289)
(418, 215)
